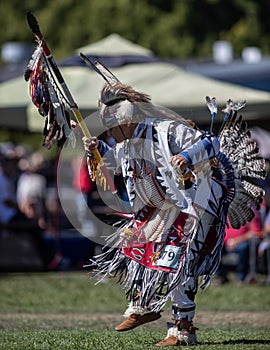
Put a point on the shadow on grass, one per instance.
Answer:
(235, 342)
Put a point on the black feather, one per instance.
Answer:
(236, 144)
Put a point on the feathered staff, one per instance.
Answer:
(55, 103)
(45, 93)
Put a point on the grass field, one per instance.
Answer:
(64, 311)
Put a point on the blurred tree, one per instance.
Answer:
(180, 28)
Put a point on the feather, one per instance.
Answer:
(237, 106)
(228, 108)
(59, 112)
(105, 72)
(236, 144)
(36, 56)
(53, 132)
(68, 130)
(211, 104)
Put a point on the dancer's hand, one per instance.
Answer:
(90, 143)
(179, 162)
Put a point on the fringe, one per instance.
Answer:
(96, 173)
(155, 286)
(133, 309)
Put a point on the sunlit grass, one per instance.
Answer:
(53, 311)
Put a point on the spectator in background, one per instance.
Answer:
(8, 176)
(13, 219)
(267, 223)
(238, 241)
(31, 189)
(84, 188)
(264, 250)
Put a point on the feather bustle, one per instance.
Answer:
(242, 151)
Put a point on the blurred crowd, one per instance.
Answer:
(247, 250)
(25, 178)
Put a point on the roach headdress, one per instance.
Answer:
(117, 100)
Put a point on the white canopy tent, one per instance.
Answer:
(167, 84)
(114, 45)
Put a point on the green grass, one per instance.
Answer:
(75, 292)
(224, 339)
(58, 292)
(53, 311)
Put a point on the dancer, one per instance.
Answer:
(180, 182)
